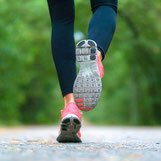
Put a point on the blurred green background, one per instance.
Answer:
(29, 89)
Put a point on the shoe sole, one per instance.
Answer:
(87, 86)
(70, 126)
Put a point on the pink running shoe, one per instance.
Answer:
(70, 124)
(88, 85)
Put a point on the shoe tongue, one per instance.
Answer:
(71, 108)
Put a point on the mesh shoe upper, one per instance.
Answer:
(71, 108)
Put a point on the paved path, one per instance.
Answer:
(99, 143)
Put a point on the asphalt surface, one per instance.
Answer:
(99, 143)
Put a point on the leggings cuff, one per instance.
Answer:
(67, 91)
(102, 52)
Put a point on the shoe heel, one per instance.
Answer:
(70, 126)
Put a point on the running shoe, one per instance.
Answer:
(70, 124)
(88, 85)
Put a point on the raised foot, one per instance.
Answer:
(88, 85)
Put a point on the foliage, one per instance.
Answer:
(29, 90)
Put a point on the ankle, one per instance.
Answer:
(99, 55)
(68, 99)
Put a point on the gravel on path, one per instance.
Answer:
(99, 144)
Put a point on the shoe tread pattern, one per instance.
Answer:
(88, 85)
(69, 129)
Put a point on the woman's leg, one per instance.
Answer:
(63, 49)
(102, 24)
(88, 85)
(63, 46)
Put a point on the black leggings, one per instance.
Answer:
(101, 30)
